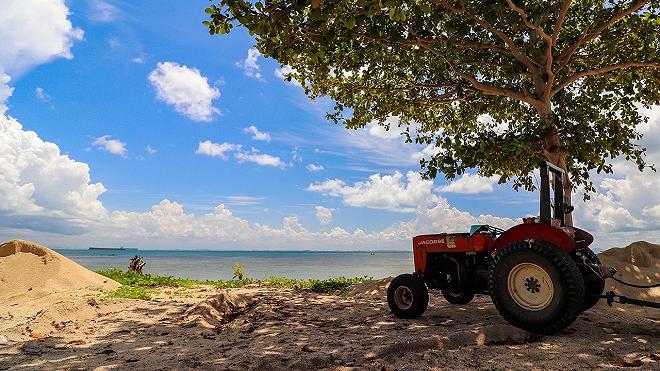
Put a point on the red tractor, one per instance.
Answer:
(536, 273)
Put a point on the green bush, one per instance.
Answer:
(135, 286)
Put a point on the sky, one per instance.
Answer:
(126, 124)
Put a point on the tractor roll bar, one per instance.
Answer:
(545, 168)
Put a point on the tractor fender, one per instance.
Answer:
(536, 231)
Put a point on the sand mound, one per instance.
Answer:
(214, 311)
(32, 270)
(637, 263)
(371, 289)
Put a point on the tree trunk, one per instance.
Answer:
(556, 154)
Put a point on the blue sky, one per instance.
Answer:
(134, 91)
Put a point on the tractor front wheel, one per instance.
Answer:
(458, 297)
(407, 296)
(536, 286)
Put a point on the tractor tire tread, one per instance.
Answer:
(420, 296)
(568, 270)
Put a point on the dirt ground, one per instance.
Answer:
(267, 329)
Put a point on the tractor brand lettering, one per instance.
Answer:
(451, 242)
(431, 242)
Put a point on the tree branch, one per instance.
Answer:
(563, 10)
(601, 71)
(523, 15)
(566, 55)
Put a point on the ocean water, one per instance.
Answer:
(214, 265)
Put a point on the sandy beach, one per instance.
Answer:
(263, 328)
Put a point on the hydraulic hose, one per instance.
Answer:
(633, 285)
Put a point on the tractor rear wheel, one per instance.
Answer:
(458, 297)
(407, 296)
(536, 286)
(594, 284)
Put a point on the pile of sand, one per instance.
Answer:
(638, 263)
(214, 311)
(370, 289)
(31, 270)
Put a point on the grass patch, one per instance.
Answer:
(135, 286)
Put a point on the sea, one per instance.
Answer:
(218, 265)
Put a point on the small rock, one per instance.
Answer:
(447, 323)
(608, 330)
(3, 340)
(306, 348)
(254, 327)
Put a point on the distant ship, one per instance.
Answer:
(114, 248)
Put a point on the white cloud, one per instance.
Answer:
(283, 73)
(428, 152)
(34, 32)
(261, 159)
(249, 64)
(627, 201)
(383, 147)
(150, 150)
(138, 60)
(295, 154)
(114, 146)
(215, 149)
(314, 167)
(379, 131)
(389, 192)
(323, 214)
(470, 184)
(185, 89)
(50, 197)
(102, 11)
(256, 134)
(442, 217)
(42, 189)
(5, 91)
(41, 94)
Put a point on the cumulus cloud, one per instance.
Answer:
(34, 32)
(216, 149)
(389, 192)
(42, 189)
(323, 214)
(428, 152)
(471, 184)
(314, 167)
(114, 146)
(250, 66)
(261, 159)
(256, 134)
(150, 150)
(442, 217)
(5, 91)
(185, 89)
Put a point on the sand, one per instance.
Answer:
(260, 328)
(31, 271)
(637, 263)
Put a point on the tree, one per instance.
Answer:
(495, 85)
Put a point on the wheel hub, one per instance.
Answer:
(530, 286)
(403, 297)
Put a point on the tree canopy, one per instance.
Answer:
(496, 85)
